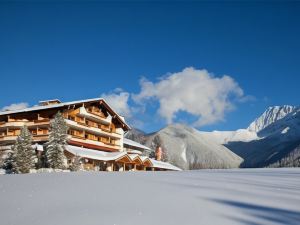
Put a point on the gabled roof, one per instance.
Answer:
(64, 104)
(135, 157)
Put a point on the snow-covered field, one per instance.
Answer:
(240, 196)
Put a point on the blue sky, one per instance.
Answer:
(84, 50)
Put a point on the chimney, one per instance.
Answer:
(158, 153)
(49, 102)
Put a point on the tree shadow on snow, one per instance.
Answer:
(267, 214)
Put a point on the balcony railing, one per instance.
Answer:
(41, 121)
(92, 116)
(92, 129)
(22, 123)
(94, 142)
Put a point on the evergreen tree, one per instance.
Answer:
(22, 158)
(55, 147)
(75, 166)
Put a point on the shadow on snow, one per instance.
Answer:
(262, 213)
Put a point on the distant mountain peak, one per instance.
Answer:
(271, 115)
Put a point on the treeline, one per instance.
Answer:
(291, 160)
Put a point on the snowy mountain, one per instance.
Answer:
(270, 116)
(279, 135)
(188, 149)
(272, 137)
(275, 120)
(224, 137)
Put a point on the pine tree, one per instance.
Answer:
(75, 166)
(55, 147)
(22, 158)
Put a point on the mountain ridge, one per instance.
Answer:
(271, 115)
(269, 138)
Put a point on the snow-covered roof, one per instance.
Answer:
(133, 156)
(134, 144)
(143, 158)
(40, 107)
(94, 154)
(58, 105)
(164, 165)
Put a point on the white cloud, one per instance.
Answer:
(119, 102)
(15, 106)
(193, 91)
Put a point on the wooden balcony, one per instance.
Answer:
(8, 138)
(19, 124)
(11, 137)
(93, 130)
(92, 116)
(94, 144)
(41, 122)
(13, 124)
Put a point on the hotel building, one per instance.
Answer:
(96, 134)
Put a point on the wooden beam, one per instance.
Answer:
(112, 166)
